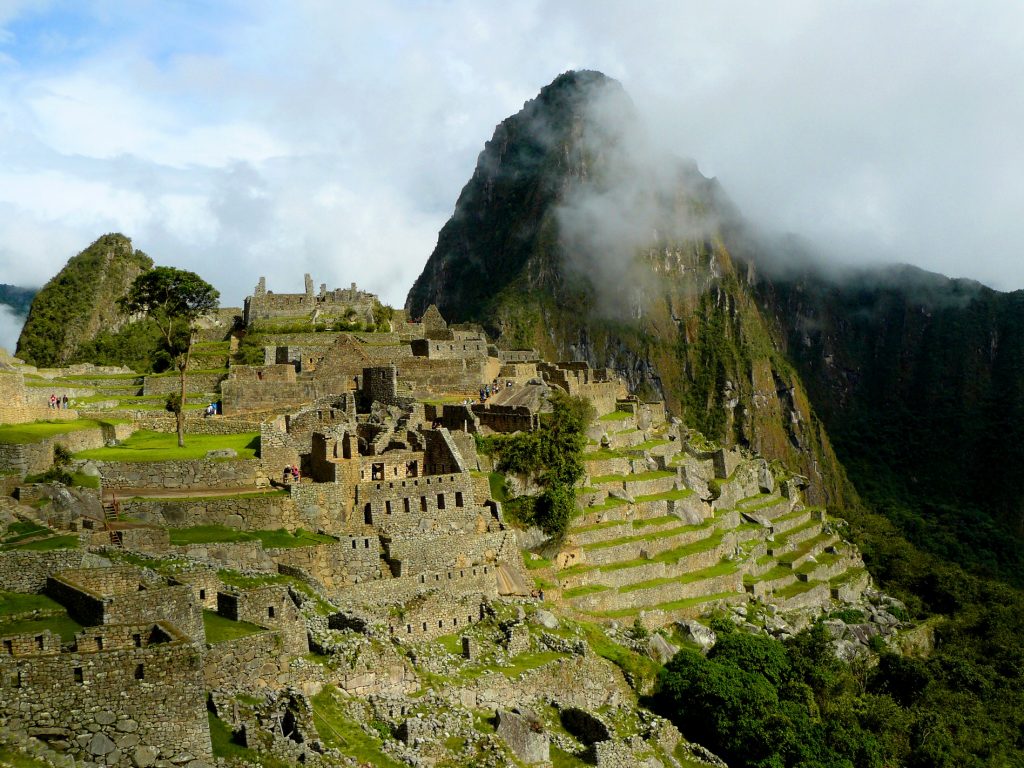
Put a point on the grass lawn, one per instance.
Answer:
(145, 445)
(62, 625)
(68, 541)
(18, 602)
(35, 431)
(615, 416)
(219, 629)
(210, 534)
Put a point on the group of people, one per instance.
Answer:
(490, 389)
(56, 401)
(290, 474)
(211, 410)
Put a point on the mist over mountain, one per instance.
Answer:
(579, 235)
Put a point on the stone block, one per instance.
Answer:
(524, 736)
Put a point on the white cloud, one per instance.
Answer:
(334, 138)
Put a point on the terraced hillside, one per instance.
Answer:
(669, 526)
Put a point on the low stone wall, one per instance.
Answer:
(197, 473)
(236, 555)
(431, 553)
(197, 424)
(351, 561)
(194, 382)
(640, 598)
(26, 571)
(31, 458)
(252, 663)
(252, 513)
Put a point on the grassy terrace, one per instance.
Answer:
(145, 445)
(68, 541)
(220, 630)
(41, 430)
(666, 496)
(669, 556)
(667, 533)
(601, 455)
(214, 534)
(674, 605)
(796, 588)
(339, 731)
(721, 569)
(615, 416)
(269, 493)
(653, 475)
(804, 548)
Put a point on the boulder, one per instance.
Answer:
(222, 453)
(546, 619)
(660, 649)
(100, 744)
(524, 736)
(696, 632)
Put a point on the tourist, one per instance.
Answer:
(286, 476)
(295, 473)
(53, 400)
(65, 402)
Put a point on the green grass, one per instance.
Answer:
(721, 569)
(11, 758)
(667, 533)
(639, 669)
(586, 589)
(224, 745)
(243, 581)
(674, 605)
(655, 521)
(145, 445)
(673, 495)
(62, 625)
(22, 529)
(535, 562)
(615, 416)
(69, 541)
(12, 603)
(220, 629)
(796, 588)
(610, 503)
(602, 479)
(279, 539)
(36, 431)
(648, 444)
(496, 481)
(338, 731)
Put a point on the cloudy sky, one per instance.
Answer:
(247, 138)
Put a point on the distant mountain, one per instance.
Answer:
(576, 237)
(81, 301)
(18, 299)
(920, 379)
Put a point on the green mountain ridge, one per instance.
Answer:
(17, 298)
(80, 301)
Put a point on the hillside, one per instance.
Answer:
(80, 301)
(577, 238)
(920, 381)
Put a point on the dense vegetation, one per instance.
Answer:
(553, 455)
(80, 301)
(920, 381)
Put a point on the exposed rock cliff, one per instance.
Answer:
(80, 301)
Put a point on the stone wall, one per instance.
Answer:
(197, 424)
(171, 475)
(32, 458)
(270, 606)
(416, 498)
(236, 555)
(450, 350)
(352, 560)
(248, 513)
(163, 384)
(20, 404)
(140, 698)
(436, 553)
(251, 663)
(27, 571)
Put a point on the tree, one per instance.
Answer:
(174, 299)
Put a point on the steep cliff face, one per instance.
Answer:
(80, 301)
(920, 380)
(576, 236)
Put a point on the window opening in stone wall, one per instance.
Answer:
(368, 514)
(353, 543)
(39, 642)
(424, 626)
(16, 681)
(270, 611)
(405, 503)
(8, 648)
(458, 498)
(99, 643)
(137, 639)
(412, 469)
(140, 672)
(440, 501)
(78, 675)
(366, 543)
(377, 471)
(408, 629)
(387, 506)
(423, 503)
(202, 594)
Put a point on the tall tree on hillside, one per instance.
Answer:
(174, 299)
